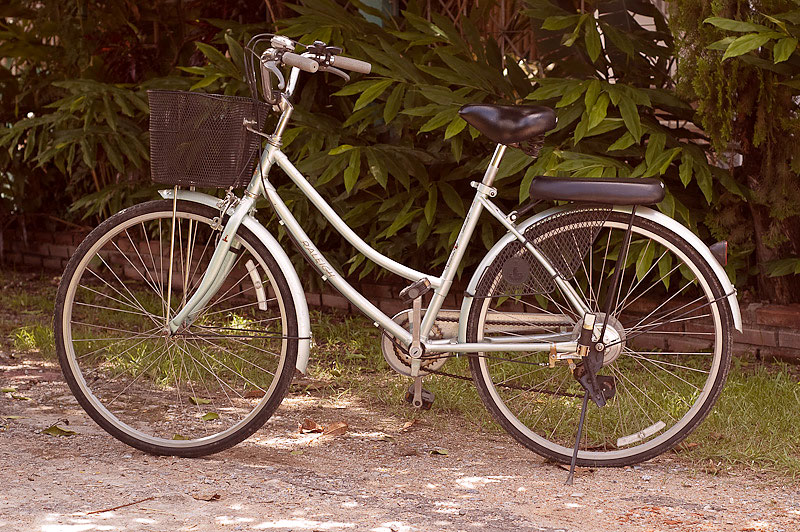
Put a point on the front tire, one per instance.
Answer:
(194, 393)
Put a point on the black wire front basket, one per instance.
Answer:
(200, 140)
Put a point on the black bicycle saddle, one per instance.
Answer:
(507, 124)
(608, 191)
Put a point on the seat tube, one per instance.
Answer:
(460, 246)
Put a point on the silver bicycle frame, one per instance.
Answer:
(260, 184)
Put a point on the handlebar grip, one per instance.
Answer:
(303, 63)
(348, 63)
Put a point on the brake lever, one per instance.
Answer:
(272, 66)
(334, 70)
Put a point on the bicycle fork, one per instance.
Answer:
(221, 264)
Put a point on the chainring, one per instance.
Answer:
(396, 355)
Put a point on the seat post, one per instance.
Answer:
(494, 165)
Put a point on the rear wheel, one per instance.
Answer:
(668, 339)
(193, 393)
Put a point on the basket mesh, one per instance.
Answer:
(200, 140)
(563, 239)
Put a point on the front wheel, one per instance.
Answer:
(202, 389)
(669, 338)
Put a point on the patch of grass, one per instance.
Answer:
(347, 353)
(34, 338)
(754, 423)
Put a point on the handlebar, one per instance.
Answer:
(306, 64)
(348, 63)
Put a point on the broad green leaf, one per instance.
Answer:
(784, 49)
(571, 96)
(560, 22)
(451, 198)
(592, 39)
(455, 127)
(625, 141)
(210, 416)
(655, 145)
(581, 129)
(685, 170)
(353, 170)
(735, 25)
(177, 436)
(377, 169)
(439, 119)
(592, 92)
(219, 60)
(703, 178)
(645, 260)
(354, 88)
(9, 389)
(664, 267)
(430, 205)
(514, 161)
(456, 147)
(597, 112)
(661, 162)
(341, 149)
(608, 124)
(721, 44)
(205, 82)
(777, 268)
(236, 51)
(375, 90)
(199, 401)
(393, 103)
(744, 44)
(630, 114)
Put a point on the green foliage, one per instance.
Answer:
(73, 84)
(740, 62)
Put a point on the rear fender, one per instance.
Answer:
(644, 212)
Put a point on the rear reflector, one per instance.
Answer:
(720, 252)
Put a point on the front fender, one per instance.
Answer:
(272, 245)
(644, 212)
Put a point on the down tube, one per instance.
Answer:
(329, 273)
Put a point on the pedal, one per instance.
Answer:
(415, 290)
(425, 399)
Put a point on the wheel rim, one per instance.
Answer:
(547, 417)
(198, 388)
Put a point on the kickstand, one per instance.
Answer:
(571, 476)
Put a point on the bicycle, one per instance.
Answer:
(180, 322)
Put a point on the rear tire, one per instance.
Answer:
(669, 365)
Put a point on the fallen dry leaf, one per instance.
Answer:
(207, 498)
(253, 394)
(407, 425)
(55, 430)
(335, 429)
(309, 425)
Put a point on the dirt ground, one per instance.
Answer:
(381, 475)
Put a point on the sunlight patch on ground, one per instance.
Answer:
(472, 483)
(447, 507)
(303, 524)
(228, 520)
(394, 526)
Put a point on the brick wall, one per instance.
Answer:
(769, 330)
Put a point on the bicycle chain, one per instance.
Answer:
(397, 345)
